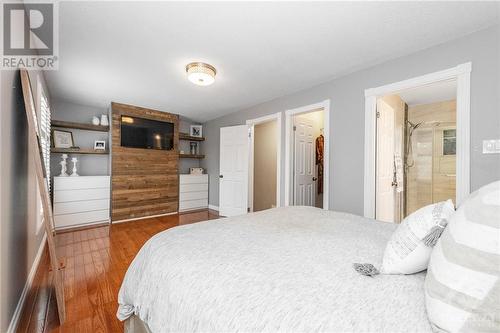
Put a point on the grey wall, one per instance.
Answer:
(19, 238)
(88, 165)
(347, 114)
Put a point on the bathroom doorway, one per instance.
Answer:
(460, 75)
(415, 149)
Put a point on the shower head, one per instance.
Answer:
(414, 126)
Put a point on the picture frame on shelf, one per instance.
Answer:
(196, 131)
(62, 139)
(99, 145)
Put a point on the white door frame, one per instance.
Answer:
(251, 123)
(461, 74)
(325, 107)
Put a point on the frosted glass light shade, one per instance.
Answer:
(200, 73)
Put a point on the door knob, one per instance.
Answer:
(221, 176)
(315, 179)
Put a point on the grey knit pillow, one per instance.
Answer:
(462, 286)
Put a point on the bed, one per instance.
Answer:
(285, 269)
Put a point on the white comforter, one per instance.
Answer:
(285, 269)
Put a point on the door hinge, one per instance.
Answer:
(294, 127)
(378, 114)
(248, 210)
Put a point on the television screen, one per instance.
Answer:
(146, 133)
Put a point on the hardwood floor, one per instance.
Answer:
(95, 263)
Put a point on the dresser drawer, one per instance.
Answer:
(193, 204)
(81, 182)
(183, 188)
(193, 179)
(80, 206)
(72, 220)
(193, 195)
(80, 195)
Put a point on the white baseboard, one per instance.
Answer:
(84, 225)
(31, 276)
(143, 218)
(213, 207)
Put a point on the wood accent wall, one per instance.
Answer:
(144, 182)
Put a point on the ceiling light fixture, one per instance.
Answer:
(200, 73)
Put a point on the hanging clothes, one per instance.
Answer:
(320, 143)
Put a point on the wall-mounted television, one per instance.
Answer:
(146, 133)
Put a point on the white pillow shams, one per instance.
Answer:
(405, 252)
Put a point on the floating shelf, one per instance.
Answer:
(78, 151)
(187, 137)
(191, 156)
(82, 126)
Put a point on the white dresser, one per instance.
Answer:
(193, 192)
(80, 201)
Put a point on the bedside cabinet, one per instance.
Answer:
(80, 201)
(193, 192)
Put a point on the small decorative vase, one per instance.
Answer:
(193, 148)
(74, 160)
(104, 120)
(64, 166)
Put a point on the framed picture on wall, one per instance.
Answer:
(62, 139)
(196, 131)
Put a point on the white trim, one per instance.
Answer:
(252, 122)
(143, 218)
(461, 74)
(463, 134)
(325, 107)
(264, 119)
(83, 225)
(251, 166)
(27, 287)
(427, 79)
(370, 148)
(213, 207)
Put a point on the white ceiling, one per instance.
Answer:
(136, 53)
(437, 92)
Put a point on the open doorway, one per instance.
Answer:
(307, 151)
(460, 76)
(415, 149)
(307, 155)
(264, 162)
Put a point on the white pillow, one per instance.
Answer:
(462, 286)
(406, 253)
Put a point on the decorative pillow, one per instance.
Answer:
(406, 252)
(462, 286)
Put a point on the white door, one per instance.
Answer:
(233, 176)
(304, 163)
(385, 191)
